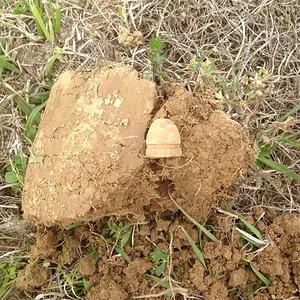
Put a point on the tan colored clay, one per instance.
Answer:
(163, 139)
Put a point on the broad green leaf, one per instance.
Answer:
(164, 284)
(11, 177)
(126, 237)
(236, 80)
(87, 286)
(35, 116)
(160, 270)
(30, 135)
(24, 106)
(39, 98)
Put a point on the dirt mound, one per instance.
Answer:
(89, 251)
(88, 157)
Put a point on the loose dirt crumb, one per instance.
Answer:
(87, 266)
(32, 277)
(45, 246)
(217, 290)
(107, 290)
(196, 275)
(238, 278)
(70, 250)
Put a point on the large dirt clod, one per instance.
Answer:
(89, 152)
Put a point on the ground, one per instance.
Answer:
(242, 59)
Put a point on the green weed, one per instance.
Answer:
(157, 55)
(254, 237)
(74, 225)
(16, 171)
(252, 228)
(47, 17)
(121, 233)
(123, 254)
(33, 122)
(160, 281)
(279, 167)
(8, 275)
(157, 52)
(75, 285)
(160, 260)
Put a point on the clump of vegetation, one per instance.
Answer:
(157, 55)
(47, 16)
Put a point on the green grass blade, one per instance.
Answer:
(5, 64)
(251, 241)
(200, 227)
(74, 225)
(51, 30)
(35, 116)
(293, 143)
(38, 98)
(279, 167)
(24, 106)
(252, 228)
(50, 63)
(263, 278)
(195, 248)
(292, 111)
(57, 24)
(200, 239)
(124, 255)
(36, 13)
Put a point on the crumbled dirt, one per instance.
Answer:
(88, 157)
(227, 275)
(45, 246)
(238, 278)
(108, 289)
(32, 277)
(87, 266)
